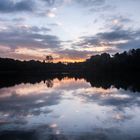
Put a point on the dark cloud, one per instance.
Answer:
(29, 36)
(116, 37)
(130, 44)
(11, 6)
(38, 29)
(8, 6)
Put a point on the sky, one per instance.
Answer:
(69, 30)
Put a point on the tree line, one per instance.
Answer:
(118, 64)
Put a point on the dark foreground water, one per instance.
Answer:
(68, 109)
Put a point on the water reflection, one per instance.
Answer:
(49, 83)
(68, 108)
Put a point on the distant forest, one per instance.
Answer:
(104, 64)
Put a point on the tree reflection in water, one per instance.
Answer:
(49, 83)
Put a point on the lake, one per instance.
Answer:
(68, 109)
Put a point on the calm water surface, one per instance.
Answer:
(68, 110)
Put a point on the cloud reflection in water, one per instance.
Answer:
(69, 109)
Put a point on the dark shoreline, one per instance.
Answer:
(131, 82)
(121, 70)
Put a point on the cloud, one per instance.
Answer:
(91, 2)
(135, 43)
(20, 19)
(115, 35)
(116, 21)
(101, 8)
(50, 2)
(114, 38)
(33, 28)
(87, 3)
(36, 98)
(28, 36)
(51, 13)
(27, 42)
(74, 54)
(9, 6)
(115, 108)
(119, 99)
(118, 38)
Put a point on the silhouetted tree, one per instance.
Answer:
(49, 59)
